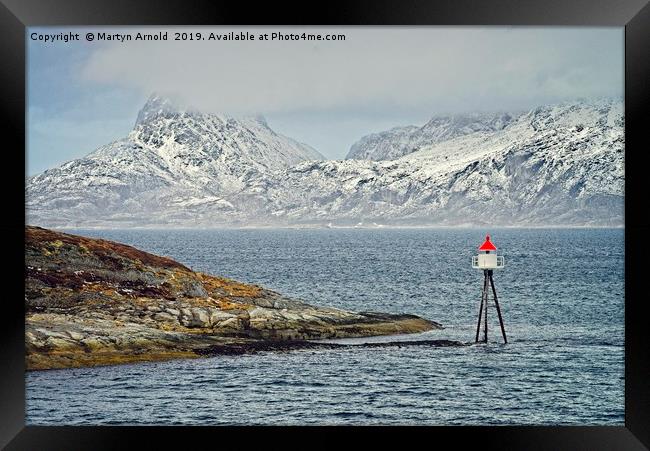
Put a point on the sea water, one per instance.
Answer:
(562, 300)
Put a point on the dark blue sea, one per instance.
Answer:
(562, 299)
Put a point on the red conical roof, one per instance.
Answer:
(487, 245)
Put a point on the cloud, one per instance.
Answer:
(375, 69)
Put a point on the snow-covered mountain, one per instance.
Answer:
(171, 158)
(555, 165)
(400, 141)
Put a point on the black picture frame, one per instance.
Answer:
(634, 15)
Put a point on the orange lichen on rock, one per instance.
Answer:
(229, 287)
(227, 304)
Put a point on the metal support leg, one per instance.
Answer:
(485, 330)
(480, 312)
(496, 302)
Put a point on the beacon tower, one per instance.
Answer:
(488, 260)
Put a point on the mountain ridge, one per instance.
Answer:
(559, 164)
(400, 141)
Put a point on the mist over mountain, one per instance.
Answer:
(555, 165)
(400, 141)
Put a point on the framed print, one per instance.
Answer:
(375, 214)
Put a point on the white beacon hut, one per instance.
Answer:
(487, 257)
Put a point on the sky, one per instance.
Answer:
(84, 94)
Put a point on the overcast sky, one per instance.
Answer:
(328, 94)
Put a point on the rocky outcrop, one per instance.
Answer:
(96, 302)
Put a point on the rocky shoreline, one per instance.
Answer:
(94, 302)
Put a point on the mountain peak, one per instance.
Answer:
(261, 119)
(156, 106)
